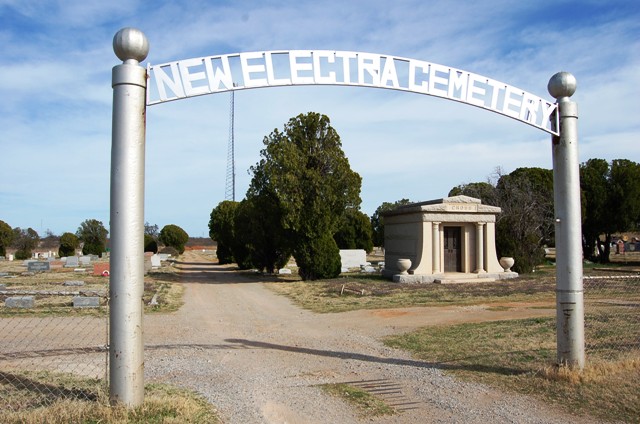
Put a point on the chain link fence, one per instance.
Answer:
(53, 338)
(612, 316)
(54, 333)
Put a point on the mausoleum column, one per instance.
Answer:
(480, 248)
(435, 247)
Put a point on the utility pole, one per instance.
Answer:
(230, 186)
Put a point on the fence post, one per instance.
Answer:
(566, 194)
(126, 355)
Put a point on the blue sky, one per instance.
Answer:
(55, 86)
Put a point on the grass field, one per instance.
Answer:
(516, 355)
(519, 356)
(374, 292)
(21, 404)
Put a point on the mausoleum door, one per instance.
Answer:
(452, 250)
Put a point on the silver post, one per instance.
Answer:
(566, 189)
(126, 355)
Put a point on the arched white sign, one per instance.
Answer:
(216, 74)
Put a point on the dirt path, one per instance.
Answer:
(260, 359)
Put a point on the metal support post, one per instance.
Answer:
(126, 355)
(566, 189)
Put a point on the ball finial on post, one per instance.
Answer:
(130, 44)
(562, 84)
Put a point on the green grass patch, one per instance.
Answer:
(368, 405)
(499, 308)
(519, 356)
(30, 398)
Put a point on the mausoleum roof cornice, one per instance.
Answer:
(453, 204)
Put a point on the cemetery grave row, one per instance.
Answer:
(76, 282)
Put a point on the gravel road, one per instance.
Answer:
(259, 359)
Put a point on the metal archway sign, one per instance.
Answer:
(215, 74)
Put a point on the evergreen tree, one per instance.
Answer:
(311, 184)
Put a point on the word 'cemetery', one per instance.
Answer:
(214, 74)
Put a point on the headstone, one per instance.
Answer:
(20, 302)
(38, 266)
(4, 274)
(3, 287)
(86, 302)
(72, 262)
(55, 264)
(84, 260)
(368, 269)
(79, 270)
(352, 258)
(73, 283)
(284, 271)
(163, 256)
(94, 258)
(101, 268)
(147, 264)
(155, 261)
(2, 258)
(10, 257)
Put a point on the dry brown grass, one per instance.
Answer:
(160, 282)
(327, 295)
(519, 356)
(163, 404)
(597, 371)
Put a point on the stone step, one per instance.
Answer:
(462, 280)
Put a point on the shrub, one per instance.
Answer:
(94, 236)
(22, 255)
(174, 236)
(93, 248)
(150, 244)
(318, 258)
(68, 244)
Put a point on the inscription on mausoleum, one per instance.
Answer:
(461, 207)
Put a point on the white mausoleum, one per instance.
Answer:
(451, 239)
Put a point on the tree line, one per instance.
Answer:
(610, 197)
(91, 235)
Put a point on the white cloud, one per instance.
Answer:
(55, 79)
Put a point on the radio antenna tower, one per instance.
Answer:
(230, 186)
